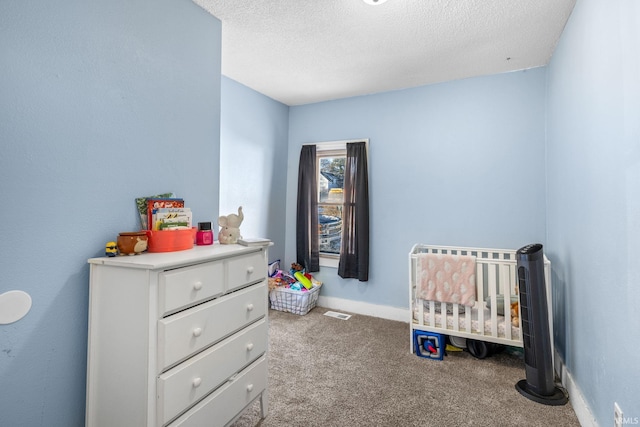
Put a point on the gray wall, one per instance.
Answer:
(100, 102)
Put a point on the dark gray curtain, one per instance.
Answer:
(354, 252)
(307, 252)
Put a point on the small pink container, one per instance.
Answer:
(204, 236)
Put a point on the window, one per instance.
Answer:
(330, 180)
(332, 221)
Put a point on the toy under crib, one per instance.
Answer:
(469, 293)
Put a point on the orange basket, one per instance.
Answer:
(171, 240)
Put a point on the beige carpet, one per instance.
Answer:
(359, 372)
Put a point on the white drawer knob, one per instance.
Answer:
(197, 332)
(197, 286)
(250, 270)
(197, 382)
(250, 387)
(250, 346)
(250, 307)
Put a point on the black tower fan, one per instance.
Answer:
(539, 385)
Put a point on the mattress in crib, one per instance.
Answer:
(462, 321)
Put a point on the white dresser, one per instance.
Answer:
(177, 339)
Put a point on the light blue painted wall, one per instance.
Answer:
(91, 89)
(458, 163)
(593, 216)
(100, 102)
(253, 155)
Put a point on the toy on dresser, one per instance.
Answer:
(230, 227)
(111, 249)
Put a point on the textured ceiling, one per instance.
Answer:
(303, 51)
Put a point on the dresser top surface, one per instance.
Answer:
(162, 260)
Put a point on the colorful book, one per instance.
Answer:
(157, 203)
(171, 218)
(141, 205)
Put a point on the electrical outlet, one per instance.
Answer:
(617, 415)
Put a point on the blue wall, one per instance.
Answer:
(105, 101)
(100, 102)
(458, 163)
(253, 155)
(593, 214)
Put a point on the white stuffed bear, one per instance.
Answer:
(230, 227)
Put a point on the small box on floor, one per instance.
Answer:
(429, 345)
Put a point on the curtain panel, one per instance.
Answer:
(307, 252)
(354, 251)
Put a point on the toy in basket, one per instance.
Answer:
(294, 292)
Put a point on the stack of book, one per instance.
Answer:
(163, 212)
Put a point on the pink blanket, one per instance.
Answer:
(446, 278)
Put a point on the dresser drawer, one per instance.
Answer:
(192, 330)
(182, 386)
(246, 269)
(224, 404)
(187, 286)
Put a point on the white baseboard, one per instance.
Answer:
(366, 309)
(576, 397)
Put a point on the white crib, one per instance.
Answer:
(496, 280)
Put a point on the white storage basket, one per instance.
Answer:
(292, 301)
